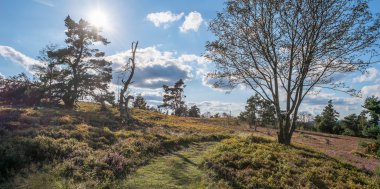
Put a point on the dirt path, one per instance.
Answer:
(176, 170)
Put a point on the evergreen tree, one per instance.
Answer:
(194, 111)
(50, 76)
(258, 112)
(140, 102)
(174, 98)
(372, 104)
(350, 125)
(267, 113)
(252, 108)
(83, 70)
(328, 119)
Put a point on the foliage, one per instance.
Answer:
(173, 98)
(371, 131)
(327, 121)
(139, 102)
(77, 70)
(350, 125)
(254, 162)
(258, 112)
(194, 111)
(372, 148)
(20, 90)
(372, 104)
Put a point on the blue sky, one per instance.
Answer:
(171, 35)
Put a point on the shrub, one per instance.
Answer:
(371, 131)
(64, 120)
(377, 171)
(254, 162)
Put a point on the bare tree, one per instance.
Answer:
(123, 98)
(283, 49)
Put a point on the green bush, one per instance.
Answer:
(371, 131)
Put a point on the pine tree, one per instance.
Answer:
(173, 98)
(194, 111)
(49, 75)
(350, 125)
(267, 113)
(252, 108)
(258, 112)
(372, 104)
(328, 119)
(140, 102)
(83, 70)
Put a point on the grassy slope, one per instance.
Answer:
(254, 162)
(87, 148)
(55, 148)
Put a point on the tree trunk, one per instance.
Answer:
(122, 109)
(283, 136)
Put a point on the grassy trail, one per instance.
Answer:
(176, 170)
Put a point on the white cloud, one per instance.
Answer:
(159, 18)
(371, 90)
(194, 58)
(370, 75)
(19, 58)
(48, 3)
(315, 103)
(153, 67)
(192, 22)
(220, 107)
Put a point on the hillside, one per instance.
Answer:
(87, 148)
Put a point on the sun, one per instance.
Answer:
(98, 18)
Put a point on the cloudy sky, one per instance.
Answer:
(171, 34)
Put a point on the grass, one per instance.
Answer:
(254, 162)
(176, 170)
(86, 147)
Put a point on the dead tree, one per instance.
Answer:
(124, 99)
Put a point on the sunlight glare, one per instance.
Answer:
(98, 18)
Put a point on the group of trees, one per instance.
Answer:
(258, 112)
(354, 125)
(71, 73)
(66, 74)
(174, 99)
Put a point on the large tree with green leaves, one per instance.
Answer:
(283, 49)
(83, 71)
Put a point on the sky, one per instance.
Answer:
(172, 35)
